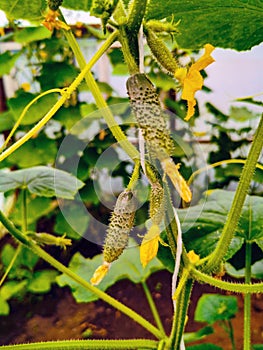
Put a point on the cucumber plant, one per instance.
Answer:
(127, 23)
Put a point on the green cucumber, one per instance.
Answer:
(149, 115)
(121, 223)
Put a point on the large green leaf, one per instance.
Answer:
(7, 62)
(214, 307)
(42, 181)
(202, 224)
(11, 288)
(24, 9)
(127, 266)
(6, 121)
(235, 24)
(4, 307)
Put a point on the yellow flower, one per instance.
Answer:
(150, 245)
(100, 273)
(194, 258)
(178, 181)
(192, 80)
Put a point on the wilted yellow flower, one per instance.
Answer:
(192, 80)
(178, 181)
(51, 21)
(150, 244)
(100, 273)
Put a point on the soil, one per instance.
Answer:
(57, 316)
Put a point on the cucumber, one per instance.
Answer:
(121, 223)
(147, 109)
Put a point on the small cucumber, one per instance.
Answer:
(121, 223)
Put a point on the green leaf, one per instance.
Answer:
(200, 334)
(24, 263)
(11, 288)
(83, 5)
(127, 266)
(257, 347)
(202, 224)
(24, 9)
(4, 307)
(79, 220)
(42, 181)
(36, 208)
(36, 111)
(68, 116)
(7, 62)
(34, 152)
(235, 24)
(30, 34)
(256, 270)
(6, 121)
(42, 281)
(206, 346)
(57, 75)
(242, 114)
(214, 307)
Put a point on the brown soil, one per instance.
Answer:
(57, 316)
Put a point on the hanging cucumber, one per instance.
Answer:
(117, 236)
(149, 115)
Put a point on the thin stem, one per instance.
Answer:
(11, 264)
(214, 165)
(240, 195)
(229, 286)
(135, 176)
(86, 344)
(19, 120)
(231, 334)
(101, 103)
(60, 267)
(24, 210)
(153, 307)
(132, 65)
(65, 95)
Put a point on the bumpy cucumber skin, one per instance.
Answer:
(121, 223)
(54, 4)
(157, 206)
(147, 109)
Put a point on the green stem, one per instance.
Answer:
(133, 65)
(60, 267)
(11, 264)
(230, 226)
(86, 344)
(135, 176)
(65, 95)
(231, 334)
(231, 287)
(153, 307)
(100, 101)
(180, 316)
(247, 300)
(24, 210)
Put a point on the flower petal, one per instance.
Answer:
(178, 181)
(100, 273)
(150, 244)
(204, 60)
